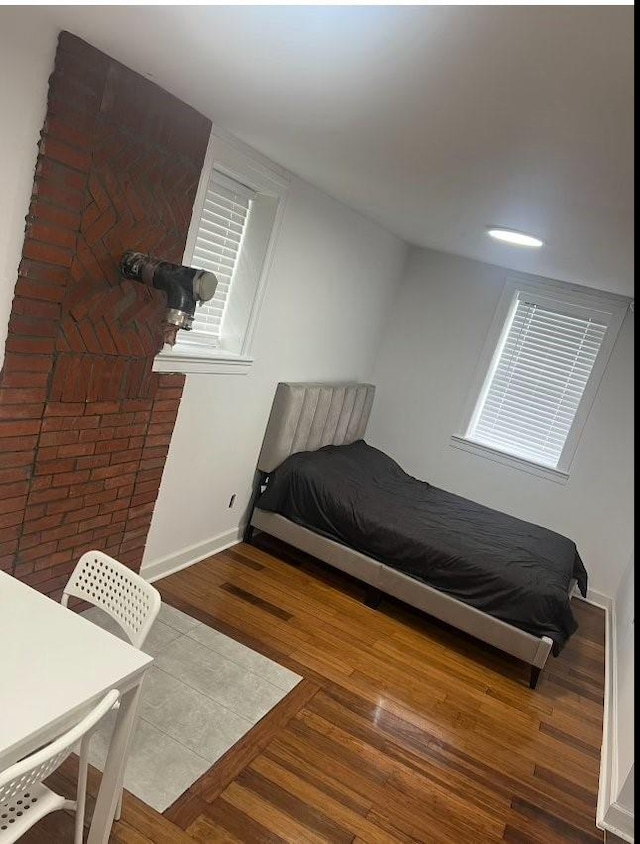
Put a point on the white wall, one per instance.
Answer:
(333, 277)
(26, 60)
(423, 374)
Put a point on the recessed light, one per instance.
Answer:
(514, 237)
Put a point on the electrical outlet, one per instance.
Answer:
(232, 500)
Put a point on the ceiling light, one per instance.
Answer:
(514, 237)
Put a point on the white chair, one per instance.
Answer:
(125, 596)
(24, 800)
(121, 593)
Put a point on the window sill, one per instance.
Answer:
(555, 475)
(205, 361)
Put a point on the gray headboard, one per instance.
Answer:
(307, 416)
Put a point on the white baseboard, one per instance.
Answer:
(188, 556)
(597, 599)
(610, 816)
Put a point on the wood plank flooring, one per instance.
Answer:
(402, 730)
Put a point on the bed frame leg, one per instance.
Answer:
(373, 598)
(247, 536)
(535, 675)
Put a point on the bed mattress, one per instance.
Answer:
(357, 495)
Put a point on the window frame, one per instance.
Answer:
(613, 306)
(242, 163)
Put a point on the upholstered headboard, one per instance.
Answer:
(307, 416)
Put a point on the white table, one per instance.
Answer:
(55, 666)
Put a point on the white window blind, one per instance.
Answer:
(537, 379)
(222, 226)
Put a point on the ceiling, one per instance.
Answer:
(436, 121)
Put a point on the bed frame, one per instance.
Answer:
(308, 416)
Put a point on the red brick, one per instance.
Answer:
(169, 394)
(39, 290)
(55, 467)
(152, 474)
(152, 463)
(75, 541)
(35, 308)
(37, 552)
(30, 345)
(112, 506)
(41, 483)
(161, 440)
(163, 417)
(59, 438)
(20, 395)
(71, 156)
(55, 215)
(107, 496)
(93, 462)
(29, 327)
(27, 363)
(10, 519)
(11, 532)
(112, 445)
(97, 522)
(16, 460)
(126, 456)
(77, 477)
(21, 411)
(130, 431)
(10, 505)
(126, 491)
(79, 515)
(41, 524)
(98, 408)
(64, 409)
(113, 471)
(136, 405)
(8, 476)
(141, 524)
(51, 234)
(22, 570)
(170, 379)
(96, 434)
(45, 273)
(77, 450)
(17, 444)
(87, 488)
(64, 505)
(10, 490)
(45, 495)
(19, 428)
(62, 423)
(47, 253)
(34, 511)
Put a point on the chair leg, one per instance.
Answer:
(81, 798)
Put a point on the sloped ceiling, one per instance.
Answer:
(435, 121)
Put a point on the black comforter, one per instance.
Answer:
(508, 568)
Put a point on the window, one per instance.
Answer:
(219, 239)
(236, 216)
(544, 369)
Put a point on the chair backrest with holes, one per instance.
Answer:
(120, 592)
(19, 778)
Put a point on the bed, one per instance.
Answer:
(321, 488)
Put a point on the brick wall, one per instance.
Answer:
(85, 424)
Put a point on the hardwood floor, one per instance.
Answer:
(402, 730)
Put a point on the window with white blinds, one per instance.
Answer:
(537, 379)
(218, 245)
